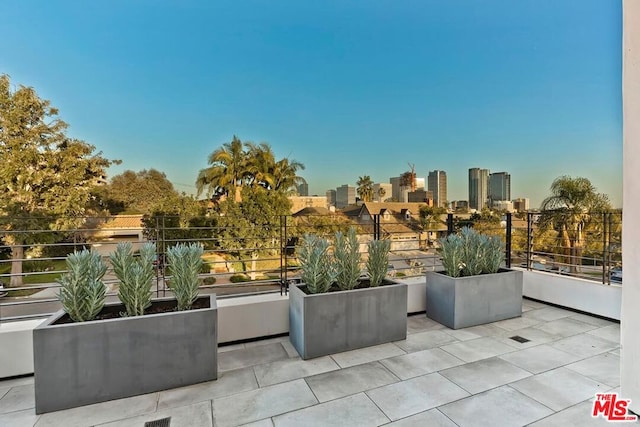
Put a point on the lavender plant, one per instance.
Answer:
(470, 253)
(378, 261)
(185, 262)
(318, 271)
(82, 291)
(135, 276)
(347, 258)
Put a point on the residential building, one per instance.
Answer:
(300, 202)
(499, 186)
(478, 188)
(437, 184)
(382, 191)
(521, 204)
(303, 189)
(345, 196)
(331, 198)
(503, 205)
(420, 196)
(459, 205)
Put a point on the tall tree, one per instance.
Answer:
(227, 170)
(365, 188)
(573, 207)
(137, 192)
(46, 177)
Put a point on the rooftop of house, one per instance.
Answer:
(437, 376)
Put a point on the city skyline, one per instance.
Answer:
(348, 89)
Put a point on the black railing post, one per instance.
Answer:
(449, 224)
(284, 284)
(529, 240)
(508, 241)
(376, 227)
(158, 255)
(605, 264)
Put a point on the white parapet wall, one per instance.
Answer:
(578, 294)
(244, 318)
(16, 347)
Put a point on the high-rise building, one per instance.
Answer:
(521, 204)
(303, 189)
(345, 196)
(437, 184)
(331, 198)
(499, 187)
(420, 184)
(420, 196)
(478, 188)
(396, 185)
(382, 191)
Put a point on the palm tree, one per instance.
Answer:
(381, 193)
(365, 188)
(570, 210)
(260, 164)
(227, 170)
(285, 175)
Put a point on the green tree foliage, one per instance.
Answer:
(46, 177)
(365, 188)
(252, 226)
(573, 210)
(431, 217)
(136, 192)
(237, 164)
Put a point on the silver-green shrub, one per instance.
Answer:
(82, 291)
(135, 276)
(316, 264)
(470, 253)
(378, 261)
(185, 262)
(347, 258)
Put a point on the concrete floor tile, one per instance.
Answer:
(292, 369)
(488, 330)
(356, 379)
(198, 414)
(584, 345)
(547, 314)
(425, 340)
(290, 349)
(266, 341)
(604, 368)
(420, 363)
(231, 347)
(24, 418)
(516, 323)
(484, 374)
(431, 418)
(502, 407)
(101, 413)
(263, 403)
(421, 323)
(228, 383)
(18, 398)
(592, 320)
(533, 304)
(565, 327)
(356, 410)
(367, 354)
(415, 395)
(540, 359)
(535, 337)
(3, 391)
(481, 348)
(262, 423)
(559, 388)
(251, 356)
(609, 333)
(12, 382)
(461, 334)
(575, 416)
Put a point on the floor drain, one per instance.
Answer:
(519, 339)
(162, 422)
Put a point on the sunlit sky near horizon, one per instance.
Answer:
(349, 88)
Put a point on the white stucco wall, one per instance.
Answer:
(630, 324)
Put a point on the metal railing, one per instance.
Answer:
(243, 259)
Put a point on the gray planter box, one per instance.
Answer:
(461, 302)
(78, 364)
(334, 322)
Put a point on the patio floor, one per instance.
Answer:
(436, 377)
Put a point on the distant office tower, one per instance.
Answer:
(478, 188)
(303, 189)
(437, 184)
(345, 196)
(396, 184)
(499, 186)
(420, 196)
(331, 198)
(521, 204)
(420, 184)
(382, 191)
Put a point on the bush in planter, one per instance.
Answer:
(470, 253)
(347, 259)
(82, 291)
(318, 270)
(378, 261)
(135, 276)
(185, 262)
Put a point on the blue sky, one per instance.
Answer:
(349, 88)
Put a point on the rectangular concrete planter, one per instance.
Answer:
(460, 302)
(82, 363)
(334, 322)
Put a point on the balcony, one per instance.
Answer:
(437, 376)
